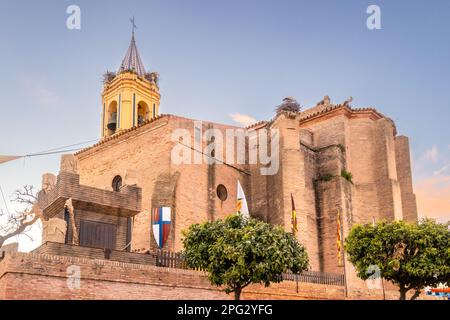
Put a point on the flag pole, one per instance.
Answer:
(343, 257)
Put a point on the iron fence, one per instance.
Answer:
(170, 259)
(333, 279)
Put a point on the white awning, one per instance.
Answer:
(4, 159)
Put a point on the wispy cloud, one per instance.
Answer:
(442, 169)
(432, 188)
(432, 154)
(42, 93)
(45, 96)
(433, 197)
(242, 119)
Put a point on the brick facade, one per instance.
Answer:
(190, 189)
(314, 145)
(45, 276)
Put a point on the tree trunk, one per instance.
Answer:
(237, 294)
(20, 229)
(416, 294)
(403, 291)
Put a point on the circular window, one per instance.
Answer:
(222, 192)
(117, 183)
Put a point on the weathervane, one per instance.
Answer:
(133, 25)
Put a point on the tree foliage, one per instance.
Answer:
(239, 251)
(409, 255)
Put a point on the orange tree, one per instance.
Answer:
(410, 255)
(237, 251)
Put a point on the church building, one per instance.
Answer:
(319, 149)
(127, 193)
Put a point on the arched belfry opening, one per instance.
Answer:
(143, 112)
(111, 117)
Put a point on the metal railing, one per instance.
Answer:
(170, 259)
(318, 277)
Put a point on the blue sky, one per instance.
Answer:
(218, 58)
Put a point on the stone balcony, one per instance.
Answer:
(125, 203)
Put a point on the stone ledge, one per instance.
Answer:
(125, 203)
(38, 257)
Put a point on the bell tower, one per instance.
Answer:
(130, 96)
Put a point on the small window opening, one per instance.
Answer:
(117, 183)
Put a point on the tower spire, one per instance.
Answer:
(132, 60)
(131, 96)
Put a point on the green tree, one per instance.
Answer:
(238, 251)
(410, 255)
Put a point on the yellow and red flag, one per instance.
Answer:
(339, 238)
(294, 217)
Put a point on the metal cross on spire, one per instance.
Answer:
(133, 25)
(132, 60)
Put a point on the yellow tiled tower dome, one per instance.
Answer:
(131, 95)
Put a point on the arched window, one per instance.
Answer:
(143, 112)
(112, 118)
(154, 110)
(117, 183)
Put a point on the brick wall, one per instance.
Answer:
(190, 189)
(34, 276)
(403, 162)
(388, 189)
(11, 247)
(44, 276)
(307, 206)
(360, 153)
(58, 249)
(296, 176)
(97, 167)
(310, 147)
